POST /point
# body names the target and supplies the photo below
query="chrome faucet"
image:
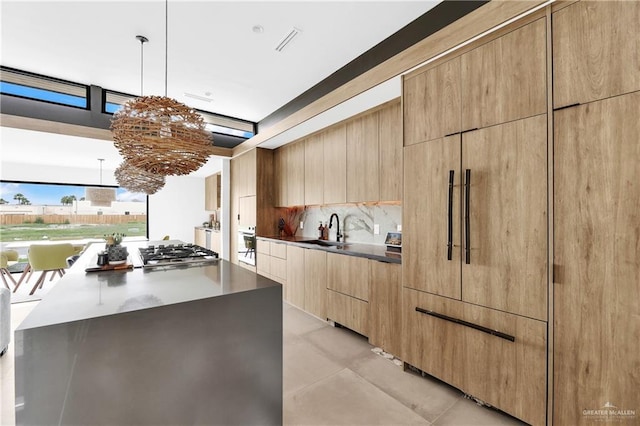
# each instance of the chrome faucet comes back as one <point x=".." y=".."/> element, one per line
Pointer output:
<point x="338" y="234"/>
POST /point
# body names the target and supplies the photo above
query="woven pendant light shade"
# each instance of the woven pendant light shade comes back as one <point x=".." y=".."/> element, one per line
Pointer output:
<point x="162" y="136"/>
<point x="138" y="180"/>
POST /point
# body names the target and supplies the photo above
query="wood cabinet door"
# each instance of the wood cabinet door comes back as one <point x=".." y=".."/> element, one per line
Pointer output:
<point x="505" y="79"/>
<point x="348" y="275"/>
<point x="335" y="165"/>
<point x="200" y="237"/>
<point x="280" y="161"/>
<point x="390" y="138"/>
<point x="314" y="170"/>
<point x="597" y="259"/>
<point x="247" y="212"/>
<point x="431" y="102"/>
<point x="430" y="209"/>
<point x="385" y="319"/>
<point x="211" y="184"/>
<point x="363" y="182"/>
<point x="295" y="174"/>
<point x="507" y="236"/>
<point x="294" y="290"/>
<point x="595" y="51"/>
<point x="315" y="282"/>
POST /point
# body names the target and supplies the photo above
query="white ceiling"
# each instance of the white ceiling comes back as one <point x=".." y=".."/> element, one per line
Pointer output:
<point x="211" y="48"/>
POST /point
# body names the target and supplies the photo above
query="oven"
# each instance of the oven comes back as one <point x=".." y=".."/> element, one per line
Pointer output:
<point x="247" y="245"/>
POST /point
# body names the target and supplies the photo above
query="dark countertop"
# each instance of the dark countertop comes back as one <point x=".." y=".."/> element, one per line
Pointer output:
<point x="370" y="251"/>
<point x="82" y="295"/>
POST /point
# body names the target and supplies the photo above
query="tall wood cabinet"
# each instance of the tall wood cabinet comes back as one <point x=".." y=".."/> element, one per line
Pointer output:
<point x="335" y="164"/>
<point x="475" y="220"/>
<point x="363" y="177"/>
<point x="596" y="284"/>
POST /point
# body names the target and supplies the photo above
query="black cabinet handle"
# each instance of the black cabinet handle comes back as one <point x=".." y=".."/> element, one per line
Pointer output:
<point x="450" y="217"/>
<point x="467" y="324"/>
<point x="467" y="224"/>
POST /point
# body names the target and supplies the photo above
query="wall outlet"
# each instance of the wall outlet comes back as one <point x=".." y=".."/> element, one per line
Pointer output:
<point x="301" y="225"/>
<point x="376" y="229"/>
<point x="399" y="228"/>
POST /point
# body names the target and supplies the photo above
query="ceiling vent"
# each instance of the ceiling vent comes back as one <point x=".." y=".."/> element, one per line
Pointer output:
<point x="287" y="39"/>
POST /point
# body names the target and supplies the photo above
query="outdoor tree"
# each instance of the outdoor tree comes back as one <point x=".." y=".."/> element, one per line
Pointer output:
<point x="21" y="199"/>
<point x="67" y="200"/>
<point x="3" y="201"/>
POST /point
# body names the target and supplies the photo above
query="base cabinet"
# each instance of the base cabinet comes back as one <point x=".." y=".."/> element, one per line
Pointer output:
<point x="497" y="357"/>
<point x="385" y="292"/>
<point x="348" y="311"/>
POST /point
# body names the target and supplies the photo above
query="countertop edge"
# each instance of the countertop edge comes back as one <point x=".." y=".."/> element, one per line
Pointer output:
<point x="352" y="251"/>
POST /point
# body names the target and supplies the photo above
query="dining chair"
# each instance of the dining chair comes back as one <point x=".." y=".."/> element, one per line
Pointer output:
<point x="7" y="258"/>
<point x="46" y="258"/>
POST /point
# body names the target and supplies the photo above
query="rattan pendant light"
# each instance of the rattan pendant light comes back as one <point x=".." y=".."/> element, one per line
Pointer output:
<point x="160" y="135"/>
<point x="100" y="197"/>
<point x="138" y="180"/>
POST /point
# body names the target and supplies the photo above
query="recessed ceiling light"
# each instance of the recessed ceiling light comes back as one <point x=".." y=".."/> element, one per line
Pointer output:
<point x="258" y="29"/>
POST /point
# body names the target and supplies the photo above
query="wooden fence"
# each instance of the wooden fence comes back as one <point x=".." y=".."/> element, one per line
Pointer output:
<point x="19" y="219"/>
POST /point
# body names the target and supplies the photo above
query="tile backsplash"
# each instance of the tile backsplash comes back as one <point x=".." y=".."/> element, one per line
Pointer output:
<point x="356" y="221"/>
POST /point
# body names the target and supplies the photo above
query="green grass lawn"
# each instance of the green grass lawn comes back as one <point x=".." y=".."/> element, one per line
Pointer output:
<point x="39" y="231"/>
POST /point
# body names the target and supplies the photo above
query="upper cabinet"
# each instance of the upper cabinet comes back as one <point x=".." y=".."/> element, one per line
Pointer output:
<point x="314" y="170"/>
<point x="289" y="173"/>
<point x="505" y="79"/>
<point x="363" y="182"/>
<point x="590" y="39"/>
<point x="390" y="138"/>
<point x="335" y="164"/>
<point x="432" y="103"/>
<point x="212" y="192"/>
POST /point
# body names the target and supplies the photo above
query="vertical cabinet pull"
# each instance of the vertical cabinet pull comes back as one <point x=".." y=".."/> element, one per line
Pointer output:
<point x="450" y="217"/>
<point x="467" y="225"/>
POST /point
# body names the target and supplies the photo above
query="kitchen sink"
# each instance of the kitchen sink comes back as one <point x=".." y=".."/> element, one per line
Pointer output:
<point x="327" y="244"/>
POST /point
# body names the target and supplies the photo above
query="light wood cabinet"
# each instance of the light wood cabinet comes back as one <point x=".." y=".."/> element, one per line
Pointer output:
<point x="200" y="237"/>
<point x="295" y="174"/>
<point x="431" y="102"/>
<point x="597" y="258"/>
<point x="212" y="192"/>
<point x="216" y="241"/>
<point x="510" y="374"/>
<point x="390" y="152"/>
<point x="348" y="275"/>
<point x="432" y="221"/>
<point x="263" y="258"/>
<point x="507" y="230"/>
<point x="363" y="182"/>
<point x="294" y="289"/>
<point x="247" y="211"/>
<point x="335" y="164"/>
<point x="595" y="51"/>
<point x="348" y="311"/>
<point x="315" y="282"/>
<point x="314" y="170"/>
<point x="385" y="319"/>
<point x="506" y="78"/>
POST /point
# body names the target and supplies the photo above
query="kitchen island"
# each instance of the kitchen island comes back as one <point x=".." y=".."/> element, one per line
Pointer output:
<point x="165" y="346"/>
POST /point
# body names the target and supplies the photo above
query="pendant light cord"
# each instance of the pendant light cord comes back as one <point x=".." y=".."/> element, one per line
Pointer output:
<point x="141" y="67"/>
<point x="166" y="43"/>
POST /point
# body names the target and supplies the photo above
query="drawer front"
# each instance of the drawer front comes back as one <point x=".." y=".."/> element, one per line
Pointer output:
<point x="350" y="312"/>
<point x="279" y="268"/>
<point x="263" y="247"/>
<point x="510" y="375"/>
<point x="278" y="250"/>
<point x="263" y="264"/>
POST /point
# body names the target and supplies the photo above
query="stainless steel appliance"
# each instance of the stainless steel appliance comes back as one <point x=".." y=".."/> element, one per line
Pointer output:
<point x="176" y="255"/>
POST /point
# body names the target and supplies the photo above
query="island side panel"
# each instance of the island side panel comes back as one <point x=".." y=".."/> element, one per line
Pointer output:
<point x="210" y="361"/>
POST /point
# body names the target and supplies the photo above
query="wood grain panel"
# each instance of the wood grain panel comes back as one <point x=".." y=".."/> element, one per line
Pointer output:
<point x="385" y="309"/>
<point x="263" y="247"/>
<point x="597" y="258"/>
<point x="263" y="265"/>
<point x="211" y="196"/>
<point x="348" y="275"/>
<point x="295" y="276"/>
<point x="363" y="182"/>
<point x="278" y="250"/>
<point x="266" y="215"/>
<point x="596" y="51"/>
<point x="508" y="375"/>
<point x="432" y="103"/>
<point x="314" y="170"/>
<point x="505" y="79"/>
<point x="348" y="311"/>
<point x="508" y="217"/>
<point x="335" y="164"/>
<point x="315" y="283"/>
<point x="279" y="270"/>
<point x="390" y="139"/>
<point x="280" y="166"/>
<point x="200" y="237"/>
<point x="425" y="217"/>
<point x="295" y="174"/>
<point x="476" y="22"/>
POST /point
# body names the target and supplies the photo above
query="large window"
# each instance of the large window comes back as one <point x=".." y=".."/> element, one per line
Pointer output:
<point x="40" y="211"/>
<point x="41" y="88"/>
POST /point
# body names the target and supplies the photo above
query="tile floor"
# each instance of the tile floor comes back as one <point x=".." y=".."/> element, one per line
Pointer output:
<point x="332" y="377"/>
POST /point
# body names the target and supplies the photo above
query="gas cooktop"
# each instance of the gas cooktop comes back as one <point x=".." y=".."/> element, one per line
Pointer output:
<point x="174" y="255"/>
